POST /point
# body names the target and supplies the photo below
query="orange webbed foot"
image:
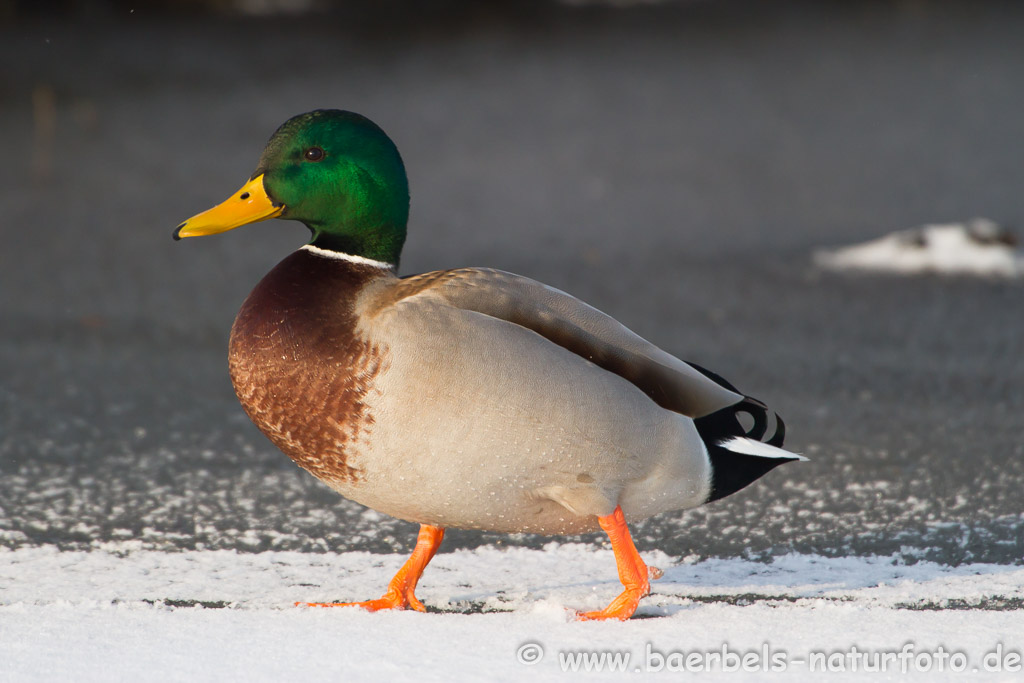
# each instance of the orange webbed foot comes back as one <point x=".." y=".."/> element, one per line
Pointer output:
<point x="621" y="608"/>
<point x="390" y="600"/>
<point x="635" y="575"/>
<point x="401" y="590"/>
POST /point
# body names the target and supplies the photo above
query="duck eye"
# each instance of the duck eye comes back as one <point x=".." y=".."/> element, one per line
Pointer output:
<point x="314" y="154"/>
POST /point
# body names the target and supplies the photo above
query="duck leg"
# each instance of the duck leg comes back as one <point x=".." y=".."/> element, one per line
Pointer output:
<point x="400" y="593"/>
<point x="634" y="574"/>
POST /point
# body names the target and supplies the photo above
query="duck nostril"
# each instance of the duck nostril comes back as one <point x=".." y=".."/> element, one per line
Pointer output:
<point x="243" y="196"/>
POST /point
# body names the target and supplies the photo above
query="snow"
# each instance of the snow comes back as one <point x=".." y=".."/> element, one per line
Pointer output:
<point x="979" y="247"/>
<point x="124" y="612"/>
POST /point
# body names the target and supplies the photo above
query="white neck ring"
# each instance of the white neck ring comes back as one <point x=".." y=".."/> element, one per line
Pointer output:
<point x="351" y="258"/>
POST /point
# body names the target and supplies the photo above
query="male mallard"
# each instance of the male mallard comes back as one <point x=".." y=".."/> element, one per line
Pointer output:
<point x="467" y="398"/>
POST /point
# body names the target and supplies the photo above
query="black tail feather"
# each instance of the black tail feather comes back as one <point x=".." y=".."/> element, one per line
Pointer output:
<point x="780" y="433"/>
<point x="731" y="471"/>
<point x="749" y="406"/>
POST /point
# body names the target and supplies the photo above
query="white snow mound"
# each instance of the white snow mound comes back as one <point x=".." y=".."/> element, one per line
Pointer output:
<point x="978" y="247"/>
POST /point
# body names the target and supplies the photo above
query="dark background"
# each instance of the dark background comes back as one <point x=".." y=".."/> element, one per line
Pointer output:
<point x="673" y="164"/>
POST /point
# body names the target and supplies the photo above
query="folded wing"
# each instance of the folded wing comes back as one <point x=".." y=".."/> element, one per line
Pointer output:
<point x="582" y="329"/>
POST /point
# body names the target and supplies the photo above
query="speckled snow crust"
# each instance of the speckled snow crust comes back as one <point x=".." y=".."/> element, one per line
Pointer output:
<point x="126" y="613"/>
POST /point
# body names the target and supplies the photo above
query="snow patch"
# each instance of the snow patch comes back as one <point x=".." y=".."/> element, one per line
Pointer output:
<point x="125" y="613"/>
<point x="484" y="579"/>
<point x="979" y="247"/>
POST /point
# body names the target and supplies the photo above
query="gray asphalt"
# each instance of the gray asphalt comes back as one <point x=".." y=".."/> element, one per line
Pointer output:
<point x="673" y="165"/>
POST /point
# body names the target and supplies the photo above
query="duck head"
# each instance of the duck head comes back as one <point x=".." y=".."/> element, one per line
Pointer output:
<point x="335" y="171"/>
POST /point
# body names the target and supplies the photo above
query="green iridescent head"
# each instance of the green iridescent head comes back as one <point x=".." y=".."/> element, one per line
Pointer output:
<point x="335" y="171"/>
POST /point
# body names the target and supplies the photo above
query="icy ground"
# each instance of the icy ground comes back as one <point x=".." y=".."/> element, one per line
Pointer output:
<point x="129" y="614"/>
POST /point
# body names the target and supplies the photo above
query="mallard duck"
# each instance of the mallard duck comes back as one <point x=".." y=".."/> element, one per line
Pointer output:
<point x="468" y="398"/>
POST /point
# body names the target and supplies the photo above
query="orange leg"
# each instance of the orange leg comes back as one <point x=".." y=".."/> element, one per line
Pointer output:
<point x="400" y="593"/>
<point x="634" y="574"/>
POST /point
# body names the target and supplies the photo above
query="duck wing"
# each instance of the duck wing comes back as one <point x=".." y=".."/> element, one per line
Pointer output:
<point x="574" y="325"/>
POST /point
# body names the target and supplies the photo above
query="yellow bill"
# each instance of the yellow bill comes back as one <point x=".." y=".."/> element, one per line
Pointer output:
<point x="249" y="205"/>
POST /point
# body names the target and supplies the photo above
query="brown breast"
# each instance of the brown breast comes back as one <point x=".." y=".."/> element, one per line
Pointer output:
<point x="299" y="366"/>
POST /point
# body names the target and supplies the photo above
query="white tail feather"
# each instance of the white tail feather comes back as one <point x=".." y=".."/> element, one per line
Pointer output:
<point x="741" y="444"/>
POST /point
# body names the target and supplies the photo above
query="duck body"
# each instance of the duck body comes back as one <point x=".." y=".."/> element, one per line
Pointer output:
<point x="423" y="410"/>
<point x="467" y="398"/>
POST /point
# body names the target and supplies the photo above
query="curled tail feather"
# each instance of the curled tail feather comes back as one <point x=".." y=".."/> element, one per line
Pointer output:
<point x="740" y="454"/>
